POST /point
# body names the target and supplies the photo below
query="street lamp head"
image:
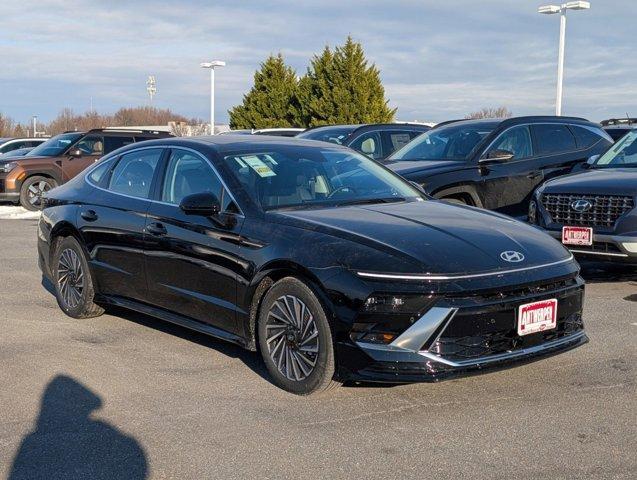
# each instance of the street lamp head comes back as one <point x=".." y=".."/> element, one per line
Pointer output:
<point x="549" y="9"/>
<point x="213" y="64"/>
<point x="578" y="5"/>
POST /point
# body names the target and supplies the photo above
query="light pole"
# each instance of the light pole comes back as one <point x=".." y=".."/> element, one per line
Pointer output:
<point x="212" y="65"/>
<point x="561" y="9"/>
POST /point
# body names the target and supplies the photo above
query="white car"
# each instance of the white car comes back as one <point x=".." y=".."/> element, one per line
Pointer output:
<point x="9" y="144"/>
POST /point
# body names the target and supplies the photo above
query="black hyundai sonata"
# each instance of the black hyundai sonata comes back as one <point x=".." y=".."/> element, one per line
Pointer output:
<point x="328" y="263"/>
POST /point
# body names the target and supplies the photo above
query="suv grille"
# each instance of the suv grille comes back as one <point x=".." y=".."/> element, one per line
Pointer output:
<point x="605" y="211"/>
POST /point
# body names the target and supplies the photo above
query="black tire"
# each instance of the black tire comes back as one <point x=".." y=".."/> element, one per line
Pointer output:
<point x="32" y="190"/>
<point x="279" y="333"/>
<point x="72" y="280"/>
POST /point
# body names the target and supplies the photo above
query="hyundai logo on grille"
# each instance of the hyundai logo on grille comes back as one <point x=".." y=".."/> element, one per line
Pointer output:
<point x="512" y="256"/>
<point x="581" y="205"/>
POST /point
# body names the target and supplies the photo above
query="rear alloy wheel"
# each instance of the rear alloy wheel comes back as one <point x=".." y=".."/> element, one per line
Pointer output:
<point x="32" y="190"/>
<point x="73" y="283"/>
<point x="295" y="338"/>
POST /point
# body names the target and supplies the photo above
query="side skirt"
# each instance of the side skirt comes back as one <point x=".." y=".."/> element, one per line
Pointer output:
<point x="175" y="318"/>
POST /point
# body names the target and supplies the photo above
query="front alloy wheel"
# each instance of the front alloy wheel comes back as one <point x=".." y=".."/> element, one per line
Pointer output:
<point x="295" y="338"/>
<point x="32" y="191"/>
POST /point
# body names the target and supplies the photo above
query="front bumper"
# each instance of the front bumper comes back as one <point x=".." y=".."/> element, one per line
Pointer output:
<point x="607" y="248"/>
<point x="9" y="192"/>
<point x="471" y="334"/>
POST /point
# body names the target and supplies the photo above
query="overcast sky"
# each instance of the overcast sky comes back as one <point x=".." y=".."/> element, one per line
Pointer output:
<point x="439" y="59"/>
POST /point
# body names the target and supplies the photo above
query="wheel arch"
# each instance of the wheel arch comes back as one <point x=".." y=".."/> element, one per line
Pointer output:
<point x="265" y="278"/>
<point x="463" y="192"/>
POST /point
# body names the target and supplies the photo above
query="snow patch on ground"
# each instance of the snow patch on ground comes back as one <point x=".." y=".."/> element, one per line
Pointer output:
<point x="10" y="212"/>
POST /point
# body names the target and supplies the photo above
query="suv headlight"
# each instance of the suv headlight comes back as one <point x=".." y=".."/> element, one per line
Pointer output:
<point x="7" y="167"/>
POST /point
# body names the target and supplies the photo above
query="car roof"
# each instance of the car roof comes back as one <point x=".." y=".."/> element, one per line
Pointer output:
<point x="505" y="122"/>
<point x="231" y="143"/>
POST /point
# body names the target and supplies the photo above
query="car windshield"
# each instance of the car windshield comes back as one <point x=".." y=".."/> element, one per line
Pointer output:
<point x="328" y="134"/>
<point x="287" y="177"/>
<point x="54" y="146"/>
<point x="622" y="154"/>
<point x="454" y="142"/>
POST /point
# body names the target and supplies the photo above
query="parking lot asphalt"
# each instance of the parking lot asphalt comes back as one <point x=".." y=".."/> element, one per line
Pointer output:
<point x="126" y="396"/>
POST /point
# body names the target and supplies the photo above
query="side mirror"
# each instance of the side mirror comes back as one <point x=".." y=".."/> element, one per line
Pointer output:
<point x="205" y="204"/>
<point x="498" y="155"/>
<point x="591" y="161"/>
<point x="75" y="152"/>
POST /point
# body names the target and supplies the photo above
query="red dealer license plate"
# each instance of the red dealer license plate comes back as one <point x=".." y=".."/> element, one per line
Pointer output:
<point x="577" y="236"/>
<point x="537" y="316"/>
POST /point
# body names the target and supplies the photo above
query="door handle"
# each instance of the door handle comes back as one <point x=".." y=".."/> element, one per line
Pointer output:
<point x="89" y="215"/>
<point x="534" y="175"/>
<point x="156" y="229"/>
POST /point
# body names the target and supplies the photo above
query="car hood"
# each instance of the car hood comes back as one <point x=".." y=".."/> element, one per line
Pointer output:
<point x="607" y="181"/>
<point x="406" y="167"/>
<point x="432" y="236"/>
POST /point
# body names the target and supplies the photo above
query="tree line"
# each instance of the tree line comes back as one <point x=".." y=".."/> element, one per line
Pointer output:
<point x="68" y="120"/>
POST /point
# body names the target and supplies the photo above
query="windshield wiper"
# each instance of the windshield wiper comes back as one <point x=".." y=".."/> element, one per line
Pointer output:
<point x="367" y="201"/>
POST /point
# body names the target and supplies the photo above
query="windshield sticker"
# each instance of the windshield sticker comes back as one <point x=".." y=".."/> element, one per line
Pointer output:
<point x="258" y="166"/>
<point x="270" y="159"/>
<point x="240" y="162"/>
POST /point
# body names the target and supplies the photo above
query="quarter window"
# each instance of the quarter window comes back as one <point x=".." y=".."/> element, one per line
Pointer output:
<point x="188" y="173"/>
<point x="585" y="137"/>
<point x="516" y="140"/>
<point x="133" y="174"/>
<point x="553" y="138"/>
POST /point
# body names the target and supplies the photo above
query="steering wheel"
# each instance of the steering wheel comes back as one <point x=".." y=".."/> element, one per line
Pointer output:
<point x="343" y="188"/>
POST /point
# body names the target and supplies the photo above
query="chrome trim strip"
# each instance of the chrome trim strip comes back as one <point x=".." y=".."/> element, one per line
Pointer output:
<point x="426" y="276"/>
<point x="506" y="356"/>
<point x="602" y="254"/>
<point x="419" y="333"/>
<point x="155" y="147"/>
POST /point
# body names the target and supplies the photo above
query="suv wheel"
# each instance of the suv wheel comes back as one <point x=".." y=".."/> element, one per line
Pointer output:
<point x="32" y="190"/>
<point x="295" y="339"/>
<point x="72" y="278"/>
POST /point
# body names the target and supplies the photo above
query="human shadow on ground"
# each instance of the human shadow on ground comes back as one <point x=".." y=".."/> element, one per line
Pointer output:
<point x="68" y="444"/>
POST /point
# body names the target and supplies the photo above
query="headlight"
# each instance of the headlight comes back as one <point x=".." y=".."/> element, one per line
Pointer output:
<point x="7" y="167"/>
<point x="533" y="212"/>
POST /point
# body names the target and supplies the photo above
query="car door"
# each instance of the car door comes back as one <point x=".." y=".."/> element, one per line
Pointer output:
<point x="506" y="184"/>
<point x="112" y="221"/>
<point x="192" y="260"/>
<point x="81" y="155"/>
<point x="557" y="149"/>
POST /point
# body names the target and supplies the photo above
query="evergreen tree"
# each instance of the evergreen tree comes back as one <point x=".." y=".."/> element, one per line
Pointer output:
<point x="272" y="100"/>
<point x="340" y="87"/>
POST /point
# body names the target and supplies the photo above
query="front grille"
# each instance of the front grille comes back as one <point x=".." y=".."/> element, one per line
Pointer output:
<point x="605" y="210"/>
<point x="459" y="348"/>
<point x="486" y="325"/>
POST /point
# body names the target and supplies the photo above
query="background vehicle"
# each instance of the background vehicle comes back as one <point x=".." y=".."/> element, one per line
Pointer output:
<point x="19" y="152"/>
<point x="377" y="141"/>
<point x="593" y="212"/>
<point x="9" y="144"/>
<point x="23" y="180"/>
<point x="618" y="127"/>
<point x="497" y="164"/>
<point x="214" y="234"/>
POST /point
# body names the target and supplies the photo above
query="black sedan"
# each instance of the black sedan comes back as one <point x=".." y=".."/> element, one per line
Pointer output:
<point x="593" y="212"/>
<point x="328" y="263"/>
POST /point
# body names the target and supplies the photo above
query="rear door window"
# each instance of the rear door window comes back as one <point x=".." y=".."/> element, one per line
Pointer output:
<point x="587" y="137"/>
<point x="133" y="174"/>
<point x="113" y="143"/>
<point x="553" y="138"/>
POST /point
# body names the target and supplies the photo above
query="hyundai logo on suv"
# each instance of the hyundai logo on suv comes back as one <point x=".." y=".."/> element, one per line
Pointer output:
<point x="512" y="256"/>
<point x="581" y="205"/>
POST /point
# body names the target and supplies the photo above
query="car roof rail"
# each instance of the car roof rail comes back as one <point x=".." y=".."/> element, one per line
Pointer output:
<point x="127" y="130"/>
<point x="618" y="121"/>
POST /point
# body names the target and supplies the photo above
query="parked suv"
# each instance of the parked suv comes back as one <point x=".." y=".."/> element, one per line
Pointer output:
<point x="618" y="127"/>
<point x="11" y="144"/>
<point x="593" y="212"/>
<point x="497" y="164"/>
<point x="377" y="141"/>
<point x="23" y="180"/>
